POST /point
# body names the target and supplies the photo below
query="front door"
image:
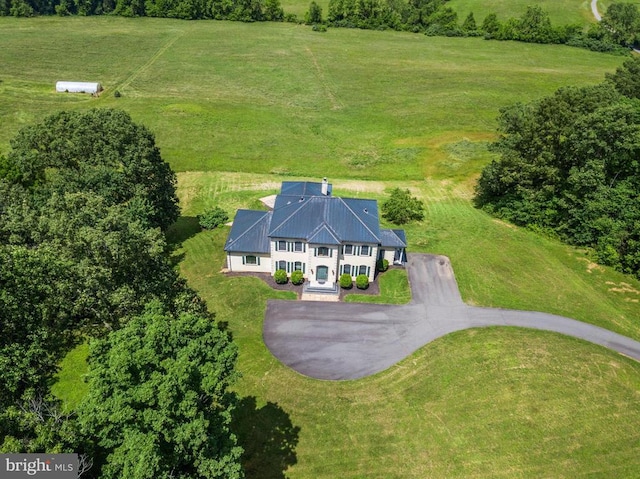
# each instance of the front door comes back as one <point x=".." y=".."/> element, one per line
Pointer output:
<point x="322" y="273"/>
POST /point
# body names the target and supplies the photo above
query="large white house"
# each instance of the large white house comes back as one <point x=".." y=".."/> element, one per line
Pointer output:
<point x="309" y="230"/>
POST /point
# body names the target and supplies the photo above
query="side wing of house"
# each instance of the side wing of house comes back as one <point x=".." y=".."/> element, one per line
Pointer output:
<point x="393" y="244"/>
<point x="248" y="247"/>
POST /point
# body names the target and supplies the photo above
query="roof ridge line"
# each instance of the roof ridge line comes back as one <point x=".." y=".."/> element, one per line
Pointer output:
<point x="266" y="213"/>
<point x="329" y="229"/>
<point x="282" y="223"/>
<point x="359" y="219"/>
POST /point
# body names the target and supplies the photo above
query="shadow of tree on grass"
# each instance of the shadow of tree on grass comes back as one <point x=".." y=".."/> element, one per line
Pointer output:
<point x="184" y="228"/>
<point x="268" y="438"/>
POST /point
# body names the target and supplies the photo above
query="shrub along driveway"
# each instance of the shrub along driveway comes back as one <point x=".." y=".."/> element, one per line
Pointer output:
<point x="352" y="340"/>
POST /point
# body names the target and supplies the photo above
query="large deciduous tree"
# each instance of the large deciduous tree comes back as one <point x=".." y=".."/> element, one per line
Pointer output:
<point x="621" y="22"/>
<point x="158" y="405"/>
<point x="570" y="164"/>
<point x="101" y="151"/>
<point x="626" y="79"/>
<point x="81" y="250"/>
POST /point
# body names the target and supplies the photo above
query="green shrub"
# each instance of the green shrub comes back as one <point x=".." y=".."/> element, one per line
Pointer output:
<point x="280" y="276"/>
<point x="213" y="218"/>
<point x="314" y="14"/>
<point x="345" y="281"/>
<point x="382" y="265"/>
<point x="117" y="94"/>
<point x="362" y="281"/>
<point x="402" y="208"/>
<point x="297" y="277"/>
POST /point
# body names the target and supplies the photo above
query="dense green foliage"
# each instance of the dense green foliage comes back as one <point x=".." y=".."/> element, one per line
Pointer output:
<point x="280" y="276"/>
<point x="626" y="79"/>
<point x="621" y="24"/>
<point x="213" y="218"/>
<point x="382" y="265"/>
<point x="569" y="164"/>
<point x="401" y="207"/>
<point x="362" y="281"/>
<point x="346" y="281"/>
<point x="314" y="14"/>
<point x="433" y="17"/>
<point x="297" y="277"/>
<point x="240" y="10"/>
<point x="158" y="403"/>
<point x="97" y="151"/>
<point x="84" y="200"/>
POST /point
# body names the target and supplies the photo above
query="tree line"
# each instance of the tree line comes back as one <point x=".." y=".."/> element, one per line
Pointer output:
<point x="618" y="30"/>
<point x="569" y="166"/>
<point x="85" y="202"/>
<point x="235" y="10"/>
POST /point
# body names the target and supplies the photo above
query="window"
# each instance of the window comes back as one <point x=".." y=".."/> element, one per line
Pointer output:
<point x="363" y="269"/>
<point x="297" y="266"/>
<point x="347" y="269"/>
<point x="365" y="250"/>
<point x="298" y="246"/>
<point x="282" y="265"/>
<point x="281" y="245"/>
<point x="348" y="249"/>
<point x="250" y="259"/>
<point x="323" y="251"/>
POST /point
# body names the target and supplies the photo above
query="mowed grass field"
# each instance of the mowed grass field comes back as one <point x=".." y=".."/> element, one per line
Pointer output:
<point x="481" y="403"/>
<point x="280" y="98"/>
<point x="238" y="108"/>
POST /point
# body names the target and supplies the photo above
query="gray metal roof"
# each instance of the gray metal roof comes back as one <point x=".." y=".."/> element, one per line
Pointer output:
<point x="393" y="239"/>
<point x="249" y="232"/>
<point x="310" y="216"/>
<point x="347" y="219"/>
<point x="303" y="188"/>
<point x="324" y="235"/>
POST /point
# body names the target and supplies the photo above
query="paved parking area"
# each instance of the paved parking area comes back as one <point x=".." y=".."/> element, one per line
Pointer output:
<point x="352" y="340"/>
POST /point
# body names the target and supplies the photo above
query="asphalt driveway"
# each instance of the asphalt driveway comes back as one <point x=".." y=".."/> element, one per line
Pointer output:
<point x="326" y="340"/>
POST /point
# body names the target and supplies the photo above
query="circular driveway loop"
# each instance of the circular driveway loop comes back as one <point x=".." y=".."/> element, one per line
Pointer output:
<point x="327" y="340"/>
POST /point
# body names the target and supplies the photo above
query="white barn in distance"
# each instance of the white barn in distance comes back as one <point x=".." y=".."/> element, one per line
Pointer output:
<point x="78" y="87"/>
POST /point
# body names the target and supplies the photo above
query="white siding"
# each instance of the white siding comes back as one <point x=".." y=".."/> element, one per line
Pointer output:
<point x="389" y="254"/>
<point x="236" y="262"/>
<point x="357" y="260"/>
<point x="290" y="256"/>
<point x="331" y="262"/>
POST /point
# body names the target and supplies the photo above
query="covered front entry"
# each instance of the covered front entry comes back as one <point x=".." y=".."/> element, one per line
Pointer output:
<point x="322" y="274"/>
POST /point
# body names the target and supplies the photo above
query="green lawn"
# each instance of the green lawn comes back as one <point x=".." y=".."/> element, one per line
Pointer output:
<point x="70" y="386"/>
<point x="237" y="108"/>
<point x="280" y="98"/>
<point x="394" y="289"/>
<point x="482" y="403"/>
